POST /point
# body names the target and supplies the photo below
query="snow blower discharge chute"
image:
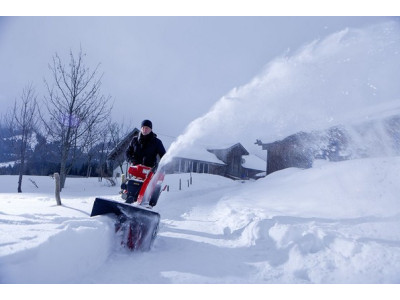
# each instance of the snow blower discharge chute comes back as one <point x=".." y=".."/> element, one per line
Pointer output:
<point x="136" y="223"/>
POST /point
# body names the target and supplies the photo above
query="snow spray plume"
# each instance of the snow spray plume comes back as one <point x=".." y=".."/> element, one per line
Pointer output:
<point x="342" y="80"/>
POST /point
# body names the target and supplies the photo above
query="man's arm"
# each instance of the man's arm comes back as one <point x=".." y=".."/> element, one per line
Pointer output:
<point x="160" y="149"/>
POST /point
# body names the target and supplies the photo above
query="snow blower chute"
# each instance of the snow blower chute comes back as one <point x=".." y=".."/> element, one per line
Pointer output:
<point x="136" y="223"/>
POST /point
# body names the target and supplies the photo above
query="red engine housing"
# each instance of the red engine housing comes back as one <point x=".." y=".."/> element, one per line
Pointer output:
<point x="145" y="174"/>
<point x="139" y="171"/>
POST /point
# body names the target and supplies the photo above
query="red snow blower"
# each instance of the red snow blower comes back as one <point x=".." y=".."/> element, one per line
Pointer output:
<point x="136" y="222"/>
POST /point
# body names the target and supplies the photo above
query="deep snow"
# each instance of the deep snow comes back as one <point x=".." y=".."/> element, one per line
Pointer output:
<point x="334" y="223"/>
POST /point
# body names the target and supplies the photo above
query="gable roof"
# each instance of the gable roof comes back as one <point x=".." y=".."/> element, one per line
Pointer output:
<point x="196" y="152"/>
<point x="118" y="153"/>
<point x="237" y="145"/>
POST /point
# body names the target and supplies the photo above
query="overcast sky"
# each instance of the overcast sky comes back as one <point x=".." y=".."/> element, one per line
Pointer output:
<point x="167" y="69"/>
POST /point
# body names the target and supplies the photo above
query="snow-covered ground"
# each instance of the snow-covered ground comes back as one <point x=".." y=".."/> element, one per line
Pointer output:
<point x="334" y="223"/>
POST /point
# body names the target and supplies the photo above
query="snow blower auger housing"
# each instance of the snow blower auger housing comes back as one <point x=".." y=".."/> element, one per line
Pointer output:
<point x="136" y="224"/>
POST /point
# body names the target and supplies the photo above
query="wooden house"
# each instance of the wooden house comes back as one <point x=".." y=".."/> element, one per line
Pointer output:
<point x="196" y="160"/>
<point x="234" y="160"/>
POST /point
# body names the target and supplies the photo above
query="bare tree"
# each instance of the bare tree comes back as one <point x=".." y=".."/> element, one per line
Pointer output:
<point x="94" y="137"/>
<point x="103" y="151"/>
<point x="22" y="120"/>
<point x="75" y="107"/>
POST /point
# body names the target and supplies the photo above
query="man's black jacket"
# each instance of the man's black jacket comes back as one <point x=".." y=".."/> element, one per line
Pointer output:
<point x="144" y="149"/>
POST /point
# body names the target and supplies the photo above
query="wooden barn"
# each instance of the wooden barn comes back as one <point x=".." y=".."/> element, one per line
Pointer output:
<point x="287" y="153"/>
<point x="301" y="149"/>
<point x="366" y="139"/>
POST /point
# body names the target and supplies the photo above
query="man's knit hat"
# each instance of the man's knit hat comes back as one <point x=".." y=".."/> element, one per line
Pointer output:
<point x="147" y="123"/>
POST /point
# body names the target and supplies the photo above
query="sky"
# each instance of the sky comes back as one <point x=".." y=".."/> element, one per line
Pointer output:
<point x="168" y="69"/>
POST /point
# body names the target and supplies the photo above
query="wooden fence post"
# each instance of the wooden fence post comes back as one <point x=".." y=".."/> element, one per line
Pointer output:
<point x="57" y="179"/>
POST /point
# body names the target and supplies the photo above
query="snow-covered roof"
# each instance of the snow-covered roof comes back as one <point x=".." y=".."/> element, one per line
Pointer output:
<point x="230" y="147"/>
<point x="199" y="153"/>
<point x="253" y="162"/>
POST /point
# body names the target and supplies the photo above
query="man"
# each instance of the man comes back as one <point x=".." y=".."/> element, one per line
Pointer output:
<point x="145" y="147"/>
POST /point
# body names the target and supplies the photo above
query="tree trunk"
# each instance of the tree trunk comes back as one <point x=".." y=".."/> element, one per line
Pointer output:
<point x="89" y="170"/>
<point x="22" y="165"/>
<point x="63" y="175"/>
<point x="20" y="183"/>
<point x="63" y="165"/>
<point x="58" y="189"/>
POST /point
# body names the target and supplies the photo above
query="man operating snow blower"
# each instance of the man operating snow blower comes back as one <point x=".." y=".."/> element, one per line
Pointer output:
<point x="145" y="147"/>
<point x="142" y="153"/>
<point x="137" y="225"/>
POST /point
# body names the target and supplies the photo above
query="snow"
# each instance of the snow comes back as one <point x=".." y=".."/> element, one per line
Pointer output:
<point x="337" y="222"/>
<point x="333" y="223"/>
<point x="7" y="164"/>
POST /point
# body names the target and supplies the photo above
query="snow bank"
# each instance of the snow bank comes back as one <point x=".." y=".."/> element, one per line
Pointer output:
<point x="74" y="248"/>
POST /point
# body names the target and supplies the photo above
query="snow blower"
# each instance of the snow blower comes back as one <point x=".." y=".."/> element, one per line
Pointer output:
<point x="136" y="223"/>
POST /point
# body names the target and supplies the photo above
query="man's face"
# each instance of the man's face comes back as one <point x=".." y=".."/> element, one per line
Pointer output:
<point x="145" y="130"/>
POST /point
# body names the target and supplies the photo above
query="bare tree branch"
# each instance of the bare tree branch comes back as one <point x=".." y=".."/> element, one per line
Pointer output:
<point x="75" y="107"/>
<point x="24" y="120"/>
